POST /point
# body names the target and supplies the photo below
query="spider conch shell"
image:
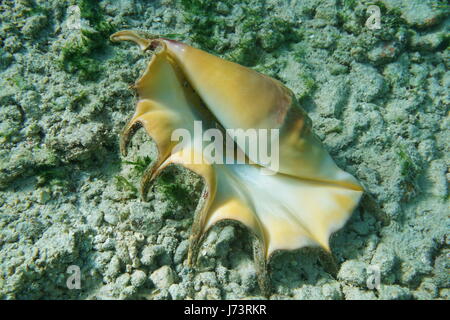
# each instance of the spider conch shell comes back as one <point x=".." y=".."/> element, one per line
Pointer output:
<point x="301" y="204"/>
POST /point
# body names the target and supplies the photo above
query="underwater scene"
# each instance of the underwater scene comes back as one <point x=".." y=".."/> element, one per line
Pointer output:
<point x="224" y="150"/>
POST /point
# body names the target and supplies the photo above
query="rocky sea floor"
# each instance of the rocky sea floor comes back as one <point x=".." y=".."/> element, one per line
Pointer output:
<point x="378" y="99"/>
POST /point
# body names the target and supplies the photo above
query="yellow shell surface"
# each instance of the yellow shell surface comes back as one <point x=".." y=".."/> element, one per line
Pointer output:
<point x="301" y="204"/>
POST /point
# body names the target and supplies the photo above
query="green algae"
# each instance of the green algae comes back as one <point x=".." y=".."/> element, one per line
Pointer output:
<point x="208" y="21"/>
<point x="123" y="183"/>
<point x="78" y="55"/>
<point x="172" y="190"/>
<point x="53" y="176"/>
<point x="140" y="165"/>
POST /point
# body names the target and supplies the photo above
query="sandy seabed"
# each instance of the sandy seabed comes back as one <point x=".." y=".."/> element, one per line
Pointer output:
<point x="378" y="99"/>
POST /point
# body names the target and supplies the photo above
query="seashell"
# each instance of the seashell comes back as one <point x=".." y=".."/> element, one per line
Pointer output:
<point x="301" y="203"/>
